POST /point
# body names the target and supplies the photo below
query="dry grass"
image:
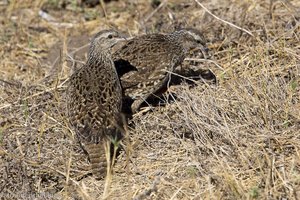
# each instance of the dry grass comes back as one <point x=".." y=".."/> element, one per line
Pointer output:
<point x="237" y="139"/>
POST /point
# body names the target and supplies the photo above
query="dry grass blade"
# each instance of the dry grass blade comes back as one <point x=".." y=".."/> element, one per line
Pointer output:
<point x="148" y="191"/>
<point x="226" y="22"/>
<point x="162" y="4"/>
<point x="235" y="138"/>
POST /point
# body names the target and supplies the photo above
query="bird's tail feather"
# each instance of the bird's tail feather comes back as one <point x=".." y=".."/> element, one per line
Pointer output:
<point x="98" y="160"/>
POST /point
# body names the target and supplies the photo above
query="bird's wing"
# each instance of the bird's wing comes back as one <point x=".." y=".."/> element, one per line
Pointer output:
<point x="94" y="99"/>
<point x="152" y="56"/>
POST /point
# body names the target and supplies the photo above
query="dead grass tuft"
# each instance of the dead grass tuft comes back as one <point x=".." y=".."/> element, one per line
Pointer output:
<point x="234" y="139"/>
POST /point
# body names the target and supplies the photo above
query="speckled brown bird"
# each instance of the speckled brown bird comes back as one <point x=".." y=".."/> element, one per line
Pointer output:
<point x="95" y="100"/>
<point x="150" y="58"/>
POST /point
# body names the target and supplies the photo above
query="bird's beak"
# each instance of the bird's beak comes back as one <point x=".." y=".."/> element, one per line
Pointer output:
<point x="123" y="36"/>
<point x="120" y="40"/>
<point x="118" y="44"/>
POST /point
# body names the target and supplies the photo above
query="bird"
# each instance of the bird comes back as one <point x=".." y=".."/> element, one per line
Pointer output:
<point x="94" y="100"/>
<point x="143" y="62"/>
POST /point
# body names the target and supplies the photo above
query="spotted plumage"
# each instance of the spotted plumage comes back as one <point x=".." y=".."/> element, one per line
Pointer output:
<point x="150" y="58"/>
<point x="95" y="99"/>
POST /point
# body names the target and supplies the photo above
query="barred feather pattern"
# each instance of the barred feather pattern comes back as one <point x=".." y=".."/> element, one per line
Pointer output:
<point x="95" y="101"/>
<point x="151" y="57"/>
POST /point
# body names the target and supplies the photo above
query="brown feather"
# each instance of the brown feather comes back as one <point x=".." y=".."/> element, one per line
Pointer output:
<point x="95" y="101"/>
<point x="153" y="56"/>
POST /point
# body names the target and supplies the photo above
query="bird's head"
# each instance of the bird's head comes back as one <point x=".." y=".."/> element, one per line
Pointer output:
<point x="105" y="40"/>
<point x="193" y="40"/>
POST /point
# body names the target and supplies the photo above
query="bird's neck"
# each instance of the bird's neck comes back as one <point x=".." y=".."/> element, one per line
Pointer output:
<point x="178" y="35"/>
<point x="97" y="55"/>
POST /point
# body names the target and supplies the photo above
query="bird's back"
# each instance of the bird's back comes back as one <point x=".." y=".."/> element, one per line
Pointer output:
<point x="94" y="102"/>
<point x="94" y="109"/>
<point x="152" y="56"/>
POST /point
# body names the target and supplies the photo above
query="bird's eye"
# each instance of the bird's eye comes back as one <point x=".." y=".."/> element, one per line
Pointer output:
<point x="110" y="36"/>
<point x="198" y="41"/>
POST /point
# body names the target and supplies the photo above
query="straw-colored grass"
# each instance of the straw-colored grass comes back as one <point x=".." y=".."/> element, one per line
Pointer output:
<point x="238" y="138"/>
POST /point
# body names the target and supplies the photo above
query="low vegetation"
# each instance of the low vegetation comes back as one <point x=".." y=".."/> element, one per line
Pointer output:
<point x="234" y="138"/>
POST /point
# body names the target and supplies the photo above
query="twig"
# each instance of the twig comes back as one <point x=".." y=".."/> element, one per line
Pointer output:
<point x="186" y="78"/>
<point x="102" y="4"/>
<point x="205" y="60"/>
<point x="46" y="91"/>
<point x="148" y="191"/>
<point x="156" y="9"/>
<point x="175" y="194"/>
<point x="108" y="177"/>
<point x="11" y="83"/>
<point x="226" y="22"/>
<point x="80" y="189"/>
<point x="54" y="70"/>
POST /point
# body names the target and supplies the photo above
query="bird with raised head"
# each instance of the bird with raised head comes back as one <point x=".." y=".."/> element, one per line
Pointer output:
<point x="151" y="58"/>
<point x="94" y="100"/>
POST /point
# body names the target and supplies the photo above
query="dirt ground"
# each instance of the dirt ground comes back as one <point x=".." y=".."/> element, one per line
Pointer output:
<point x="228" y="128"/>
